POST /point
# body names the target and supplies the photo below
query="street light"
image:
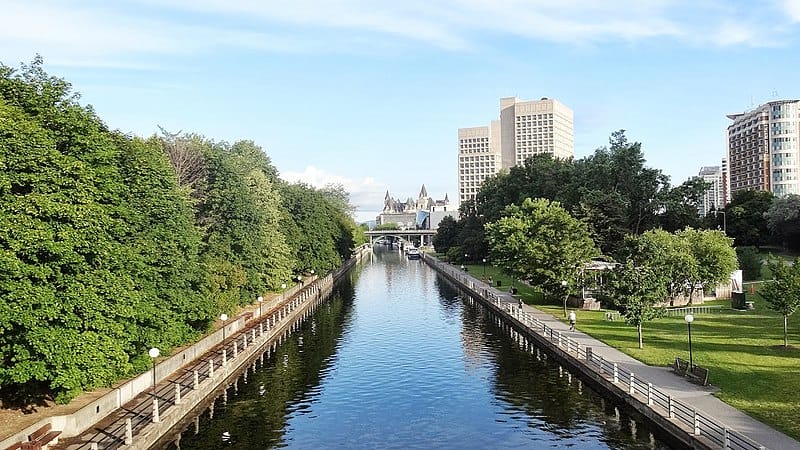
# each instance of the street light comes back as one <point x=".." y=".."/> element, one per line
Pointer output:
<point x="223" y="317"/>
<point x="484" y="268"/>
<point x="566" y="294"/>
<point x="260" y="303"/>
<point x="689" y="319"/>
<point x="154" y="352"/>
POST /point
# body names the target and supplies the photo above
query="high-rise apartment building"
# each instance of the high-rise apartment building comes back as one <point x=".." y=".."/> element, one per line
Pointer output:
<point x="714" y="198"/>
<point x="726" y="182"/>
<point x="763" y="151"/>
<point x="525" y="128"/>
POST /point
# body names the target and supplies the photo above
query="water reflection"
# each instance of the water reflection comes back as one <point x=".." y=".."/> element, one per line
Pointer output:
<point x="400" y="358"/>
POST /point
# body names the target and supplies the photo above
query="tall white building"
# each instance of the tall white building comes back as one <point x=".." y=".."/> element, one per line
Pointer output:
<point x="525" y="129"/>
<point x="714" y="197"/>
<point x="763" y="148"/>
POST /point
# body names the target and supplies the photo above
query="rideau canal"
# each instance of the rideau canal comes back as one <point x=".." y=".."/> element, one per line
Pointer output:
<point x="400" y="358"/>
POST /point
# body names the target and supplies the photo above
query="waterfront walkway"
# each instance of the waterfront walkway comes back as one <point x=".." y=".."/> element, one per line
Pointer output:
<point x="696" y="396"/>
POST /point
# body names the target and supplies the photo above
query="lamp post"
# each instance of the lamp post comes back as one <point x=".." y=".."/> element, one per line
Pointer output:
<point x="566" y="293"/>
<point x="154" y="352"/>
<point x="223" y="317"/>
<point x="484" y="268"/>
<point x="260" y="303"/>
<point x="689" y="319"/>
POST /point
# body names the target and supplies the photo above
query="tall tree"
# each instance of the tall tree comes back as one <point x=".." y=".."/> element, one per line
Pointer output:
<point x="744" y="217"/>
<point x="640" y="292"/>
<point x="446" y="235"/>
<point x="541" y="242"/>
<point x="783" y="221"/>
<point x="714" y="256"/>
<point x="783" y="292"/>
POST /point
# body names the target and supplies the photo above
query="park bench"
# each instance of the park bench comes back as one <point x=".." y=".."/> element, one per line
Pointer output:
<point x="39" y="439"/>
<point x="681" y="366"/>
<point x="698" y="375"/>
<point x="43" y="437"/>
<point x="612" y="315"/>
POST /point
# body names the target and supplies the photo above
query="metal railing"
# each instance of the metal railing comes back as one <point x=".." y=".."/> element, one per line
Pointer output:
<point x="702" y="309"/>
<point x="699" y="423"/>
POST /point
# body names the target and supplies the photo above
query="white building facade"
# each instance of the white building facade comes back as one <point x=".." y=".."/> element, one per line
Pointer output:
<point x="714" y="197"/>
<point x="525" y="129"/>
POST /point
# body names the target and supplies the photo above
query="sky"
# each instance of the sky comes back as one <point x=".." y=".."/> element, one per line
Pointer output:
<point x="370" y="93"/>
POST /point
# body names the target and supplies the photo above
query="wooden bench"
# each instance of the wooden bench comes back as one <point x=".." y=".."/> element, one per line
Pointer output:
<point x="42" y="437"/>
<point x="680" y="366"/>
<point x="698" y="375"/>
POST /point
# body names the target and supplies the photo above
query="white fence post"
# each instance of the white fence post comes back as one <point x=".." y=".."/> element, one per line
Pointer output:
<point x="616" y="373"/>
<point x="156" y="418"/>
<point x="670" y="407"/>
<point x="177" y="393"/>
<point x="128" y="431"/>
<point x="696" y="423"/>
<point x="632" y="384"/>
<point x="650" y="394"/>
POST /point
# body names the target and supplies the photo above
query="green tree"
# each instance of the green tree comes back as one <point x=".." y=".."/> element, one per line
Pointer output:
<point x="387" y="226"/>
<point x="541" y="242"/>
<point x="714" y="256"/>
<point x="640" y="292"/>
<point x="744" y="217"/>
<point x="446" y="235"/>
<point x="667" y="255"/>
<point x="680" y="205"/>
<point x="783" y="292"/>
<point x="750" y="262"/>
<point x="783" y="221"/>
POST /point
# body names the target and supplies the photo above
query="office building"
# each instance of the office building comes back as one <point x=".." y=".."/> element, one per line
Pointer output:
<point x="525" y="129"/>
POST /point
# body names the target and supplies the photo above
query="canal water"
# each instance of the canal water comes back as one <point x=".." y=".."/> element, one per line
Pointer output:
<point x="399" y="358"/>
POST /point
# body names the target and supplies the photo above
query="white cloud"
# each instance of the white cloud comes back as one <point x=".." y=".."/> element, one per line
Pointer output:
<point x="365" y="194"/>
<point x="792" y="8"/>
<point x="135" y="33"/>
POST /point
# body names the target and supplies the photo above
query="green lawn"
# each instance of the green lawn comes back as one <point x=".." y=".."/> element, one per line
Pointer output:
<point x="741" y="349"/>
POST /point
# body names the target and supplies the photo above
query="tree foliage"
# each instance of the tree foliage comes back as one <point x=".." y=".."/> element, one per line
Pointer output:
<point x="612" y="190"/>
<point x="539" y="241"/>
<point x="446" y="235"/>
<point x="98" y="245"/>
<point x="750" y="262"/>
<point x="639" y="291"/>
<point x="744" y="218"/>
<point x="783" y="221"/>
<point x="112" y="244"/>
<point x="688" y="259"/>
<point x="783" y="292"/>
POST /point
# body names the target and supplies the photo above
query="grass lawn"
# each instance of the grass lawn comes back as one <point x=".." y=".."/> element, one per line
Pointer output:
<point x="742" y="350"/>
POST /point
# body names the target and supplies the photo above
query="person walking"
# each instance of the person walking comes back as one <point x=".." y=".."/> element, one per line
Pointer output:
<point x="572" y="320"/>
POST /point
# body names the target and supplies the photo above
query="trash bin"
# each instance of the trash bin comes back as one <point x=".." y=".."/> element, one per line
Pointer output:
<point x="499" y="283"/>
<point x="738" y="300"/>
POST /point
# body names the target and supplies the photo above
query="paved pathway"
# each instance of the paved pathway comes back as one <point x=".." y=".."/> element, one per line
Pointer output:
<point x="699" y="397"/>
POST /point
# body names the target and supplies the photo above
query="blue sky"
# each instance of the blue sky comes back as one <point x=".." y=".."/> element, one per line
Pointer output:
<point x="370" y="94"/>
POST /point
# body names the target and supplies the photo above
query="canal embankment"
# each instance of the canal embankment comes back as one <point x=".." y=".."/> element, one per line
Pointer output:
<point x="138" y="412"/>
<point x="687" y="412"/>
